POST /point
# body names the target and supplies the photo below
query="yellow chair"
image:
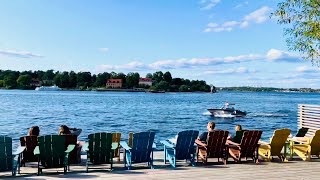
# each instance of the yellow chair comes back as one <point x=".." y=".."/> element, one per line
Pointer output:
<point x="274" y="148"/>
<point x="130" y="139"/>
<point x="116" y="138"/>
<point x="307" y="147"/>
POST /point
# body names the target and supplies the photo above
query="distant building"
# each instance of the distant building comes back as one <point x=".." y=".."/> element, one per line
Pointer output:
<point x="35" y="82"/>
<point x="114" y="83"/>
<point x="145" y="81"/>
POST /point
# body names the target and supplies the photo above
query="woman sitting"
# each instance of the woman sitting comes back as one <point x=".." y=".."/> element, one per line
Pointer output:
<point x="34" y="131"/>
<point x="234" y="153"/>
<point x="65" y="130"/>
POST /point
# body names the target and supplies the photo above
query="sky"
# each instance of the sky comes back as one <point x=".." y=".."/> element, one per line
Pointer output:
<point x="224" y="42"/>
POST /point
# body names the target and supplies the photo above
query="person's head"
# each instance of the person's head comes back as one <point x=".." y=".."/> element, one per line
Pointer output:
<point x="34" y="131"/>
<point x="64" y="130"/>
<point x="238" y="127"/>
<point x="211" y="126"/>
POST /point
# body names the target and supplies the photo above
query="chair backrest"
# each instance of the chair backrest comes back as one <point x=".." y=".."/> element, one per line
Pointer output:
<point x="100" y="148"/>
<point x="216" y="143"/>
<point x="116" y="138"/>
<point x="5" y="153"/>
<point x="249" y="142"/>
<point x="52" y="149"/>
<point x="315" y="143"/>
<point x="142" y="146"/>
<point x="185" y="144"/>
<point x="30" y="142"/>
<point x="237" y="138"/>
<point x="130" y="139"/>
<point x="302" y="132"/>
<point x="278" y="140"/>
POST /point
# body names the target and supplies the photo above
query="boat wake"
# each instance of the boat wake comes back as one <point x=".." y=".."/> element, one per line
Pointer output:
<point x="206" y="113"/>
<point x="269" y="115"/>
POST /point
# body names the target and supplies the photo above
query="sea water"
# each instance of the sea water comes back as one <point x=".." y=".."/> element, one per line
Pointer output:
<point x="164" y="113"/>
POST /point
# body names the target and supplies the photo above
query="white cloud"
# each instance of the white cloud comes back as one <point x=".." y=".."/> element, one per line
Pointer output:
<point x="19" y="54"/>
<point x="307" y="69"/>
<point x="240" y="70"/>
<point x="258" y="16"/>
<point x="241" y="5"/>
<point x="209" y="4"/>
<point x="105" y="50"/>
<point x="271" y="55"/>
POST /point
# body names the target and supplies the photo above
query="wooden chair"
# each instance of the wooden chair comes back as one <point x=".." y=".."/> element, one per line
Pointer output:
<point x="9" y="161"/>
<point x="277" y="143"/>
<point x="52" y="153"/>
<point x="100" y="149"/>
<point x="216" y="146"/>
<point x="141" y="149"/>
<point x="183" y="149"/>
<point x="30" y="143"/>
<point x="74" y="156"/>
<point x="248" y="147"/>
<point x="116" y="139"/>
<point x="307" y="148"/>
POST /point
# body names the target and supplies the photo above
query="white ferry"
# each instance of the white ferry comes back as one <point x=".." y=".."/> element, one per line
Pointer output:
<point x="48" y="88"/>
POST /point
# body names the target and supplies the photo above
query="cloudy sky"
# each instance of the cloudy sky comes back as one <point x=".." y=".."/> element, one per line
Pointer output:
<point x="225" y="42"/>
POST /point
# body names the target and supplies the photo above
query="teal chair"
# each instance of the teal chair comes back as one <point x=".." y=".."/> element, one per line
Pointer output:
<point x="183" y="149"/>
<point x="9" y="161"/>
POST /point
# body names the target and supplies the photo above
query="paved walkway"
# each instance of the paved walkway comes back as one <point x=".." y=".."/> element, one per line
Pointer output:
<point x="295" y="169"/>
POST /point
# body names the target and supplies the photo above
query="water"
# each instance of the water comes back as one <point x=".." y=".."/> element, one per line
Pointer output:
<point x="166" y="114"/>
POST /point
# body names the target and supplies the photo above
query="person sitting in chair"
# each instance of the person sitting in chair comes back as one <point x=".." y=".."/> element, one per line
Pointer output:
<point x="202" y="141"/>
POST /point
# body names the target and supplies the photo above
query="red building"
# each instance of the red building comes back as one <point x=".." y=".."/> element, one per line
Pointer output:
<point x="114" y="83"/>
<point x="145" y="81"/>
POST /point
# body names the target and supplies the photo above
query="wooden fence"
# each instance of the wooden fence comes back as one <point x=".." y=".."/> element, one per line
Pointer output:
<point x="309" y="117"/>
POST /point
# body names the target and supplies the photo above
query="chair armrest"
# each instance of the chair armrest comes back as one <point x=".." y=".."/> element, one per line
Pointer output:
<point x="154" y="146"/>
<point x="114" y="145"/>
<point x="85" y="147"/>
<point x="232" y="143"/>
<point x="125" y="145"/>
<point x="263" y="142"/>
<point x="70" y="148"/>
<point x="300" y="140"/>
<point x="36" y="150"/>
<point x="19" y="150"/>
<point x="167" y="144"/>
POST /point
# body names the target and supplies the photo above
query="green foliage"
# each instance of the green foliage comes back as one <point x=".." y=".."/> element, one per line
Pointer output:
<point x="132" y="80"/>
<point x="149" y="75"/>
<point x="72" y="80"/>
<point x="157" y="76"/>
<point x="24" y="81"/>
<point x="167" y="77"/>
<point x="1" y="83"/>
<point x="184" y="88"/>
<point x="10" y="81"/>
<point x="303" y="32"/>
<point x="102" y="79"/>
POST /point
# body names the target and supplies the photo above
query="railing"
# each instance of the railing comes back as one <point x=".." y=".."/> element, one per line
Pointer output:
<point x="309" y="117"/>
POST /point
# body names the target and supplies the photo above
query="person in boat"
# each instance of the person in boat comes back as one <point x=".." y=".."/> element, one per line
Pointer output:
<point x="34" y="131"/>
<point x="234" y="153"/>
<point x="202" y="140"/>
<point x="226" y="105"/>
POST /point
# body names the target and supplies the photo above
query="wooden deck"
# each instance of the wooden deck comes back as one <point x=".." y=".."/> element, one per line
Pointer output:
<point x="294" y="169"/>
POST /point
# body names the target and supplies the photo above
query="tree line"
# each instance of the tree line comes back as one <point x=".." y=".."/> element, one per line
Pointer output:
<point x="84" y="80"/>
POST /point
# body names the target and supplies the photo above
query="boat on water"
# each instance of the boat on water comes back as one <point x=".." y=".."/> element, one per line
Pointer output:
<point x="154" y="91"/>
<point x="48" y="88"/>
<point x="227" y="111"/>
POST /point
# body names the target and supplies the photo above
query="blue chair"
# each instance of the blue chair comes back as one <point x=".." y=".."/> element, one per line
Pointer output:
<point x="183" y="149"/>
<point x="141" y="149"/>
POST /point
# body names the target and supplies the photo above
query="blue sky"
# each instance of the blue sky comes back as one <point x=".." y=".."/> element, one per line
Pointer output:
<point x="226" y="43"/>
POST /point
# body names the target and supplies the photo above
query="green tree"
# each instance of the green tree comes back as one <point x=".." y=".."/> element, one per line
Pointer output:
<point x="64" y="80"/>
<point x="72" y="80"/>
<point x="24" y="81"/>
<point x="132" y="80"/>
<point x="162" y="85"/>
<point x="149" y="75"/>
<point x="158" y="76"/>
<point x="10" y="81"/>
<point x="57" y="79"/>
<point x="84" y="79"/>
<point x="303" y="18"/>
<point x="1" y="83"/>
<point x="184" y="88"/>
<point x="167" y="77"/>
<point x="102" y="79"/>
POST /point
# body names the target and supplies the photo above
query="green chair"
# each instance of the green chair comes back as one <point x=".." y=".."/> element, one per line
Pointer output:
<point x="9" y="161"/>
<point x="100" y="149"/>
<point x="52" y="153"/>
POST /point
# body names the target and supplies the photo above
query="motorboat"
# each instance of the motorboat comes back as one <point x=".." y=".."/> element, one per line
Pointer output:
<point x="48" y="88"/>
<point x="227" y="111"/>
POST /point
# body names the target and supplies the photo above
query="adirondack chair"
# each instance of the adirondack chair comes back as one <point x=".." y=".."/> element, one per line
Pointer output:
<point x="248" y="147"/>
<point x="30" y="142"/>
<point x="52" y="153"/>
<point x="216" y="146"/>
<point x="307" y="148"/>
<point x="100" y="149"/>
<point x="277" y="143"/>
<point x="9" y="161"/>
<point x="141" y="149"/>
<point x="237" y="138"/>
<point x="182" y="149"/>
<point x="116" y="138"/>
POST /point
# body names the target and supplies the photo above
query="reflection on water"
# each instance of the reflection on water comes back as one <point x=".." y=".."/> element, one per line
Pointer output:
<point x="166" y="113"/>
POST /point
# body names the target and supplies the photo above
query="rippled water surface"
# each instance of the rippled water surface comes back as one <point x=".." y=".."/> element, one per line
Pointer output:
<point x="166" y="113"/>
